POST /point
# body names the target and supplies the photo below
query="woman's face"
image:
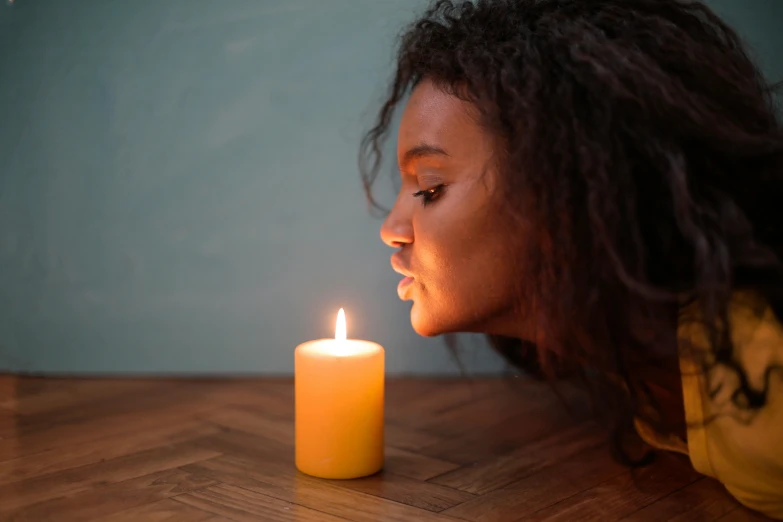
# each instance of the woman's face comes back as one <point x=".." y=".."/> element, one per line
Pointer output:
<point x="457" y="255"/>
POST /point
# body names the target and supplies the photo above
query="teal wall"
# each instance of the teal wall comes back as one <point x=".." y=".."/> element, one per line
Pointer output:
<point x="178" y="183"/>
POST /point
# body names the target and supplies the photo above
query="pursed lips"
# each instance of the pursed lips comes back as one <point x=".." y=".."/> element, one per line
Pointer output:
<point x="399" y="266"/>
<point x="403" y="287"/>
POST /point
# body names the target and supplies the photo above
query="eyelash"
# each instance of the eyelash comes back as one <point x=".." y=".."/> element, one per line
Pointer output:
<point x="429" y="195"/>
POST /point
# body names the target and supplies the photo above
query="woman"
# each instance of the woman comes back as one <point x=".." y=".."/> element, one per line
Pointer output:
<point x="598" y="186"/>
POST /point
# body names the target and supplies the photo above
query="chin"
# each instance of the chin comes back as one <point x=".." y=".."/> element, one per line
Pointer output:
<point x="431" y="321"/>
<point x="425" y="324"/>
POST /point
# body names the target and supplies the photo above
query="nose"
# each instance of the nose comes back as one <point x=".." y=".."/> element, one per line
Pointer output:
<point x="397" y="229"/>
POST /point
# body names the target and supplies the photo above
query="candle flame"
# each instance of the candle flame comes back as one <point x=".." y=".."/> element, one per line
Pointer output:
<point x="339" y="329"/>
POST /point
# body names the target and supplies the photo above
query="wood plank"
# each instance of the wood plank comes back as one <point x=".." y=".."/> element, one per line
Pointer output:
<point x="241" y="388"/>
<point x="56" y="394"/>
<point x="741" y="514"/>
<point x="204" y="450"/>
<point x="440" y="399"/>
<point x="623" y="494"/>
<point x="511" y="400"/>
<point x="25" y="385"/>
<point x="402" y="462"/>
<point x="402" y="391"/>
<point x="416" y="466"/>
<point x="284" y="483"/>
<point x="410" y="438"/>
<point x="8" y="384"/>
<point x="81" y="454"/>
<point x="485" y="476"/>
<point x="540" y="490"/>
<point x="271" y="403"/>
<point x="9" y="425"/>
<point x="468" y="445"/>
<point x="390" y="485"/>
<point x="279" y="428"/>
<point x="245" y="505"/>
<point x="249" y="445"/>
<point x="703" y="500"/>
<point x="166" y="510"/>
<point x="124" y="396"/>
<point x="19" y="494"/>
<point x="104" y="501"/>
<point x="422" y="495"/>
<point x="9" y="428"/>
<point x="178" y="406"/>
<point x="114" y="400"/>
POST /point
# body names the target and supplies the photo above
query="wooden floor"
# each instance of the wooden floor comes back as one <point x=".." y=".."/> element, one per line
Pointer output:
<point x="201" y="450"/>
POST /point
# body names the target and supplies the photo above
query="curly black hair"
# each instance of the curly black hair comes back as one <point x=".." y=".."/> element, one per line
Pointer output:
<point x="645" y="144"/>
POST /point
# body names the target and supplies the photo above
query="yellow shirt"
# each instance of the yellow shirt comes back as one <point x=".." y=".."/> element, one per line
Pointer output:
<point x="742" y="450"/>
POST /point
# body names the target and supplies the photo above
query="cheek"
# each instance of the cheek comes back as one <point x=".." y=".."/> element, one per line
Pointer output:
<point x="467" y="292"/>
<point x="437" y="251"/>
<point x="464" y="263"/>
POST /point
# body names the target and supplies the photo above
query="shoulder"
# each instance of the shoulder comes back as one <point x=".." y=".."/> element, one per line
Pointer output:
<point x="742" y="447"/>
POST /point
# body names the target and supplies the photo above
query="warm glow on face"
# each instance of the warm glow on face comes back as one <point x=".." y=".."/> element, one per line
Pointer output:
<point x="339" y="328"/>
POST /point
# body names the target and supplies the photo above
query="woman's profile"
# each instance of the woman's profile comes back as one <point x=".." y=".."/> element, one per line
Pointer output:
<point x="598" y="187"/>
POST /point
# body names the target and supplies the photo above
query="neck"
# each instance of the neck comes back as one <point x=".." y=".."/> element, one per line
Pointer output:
<point x="656" y="366"/>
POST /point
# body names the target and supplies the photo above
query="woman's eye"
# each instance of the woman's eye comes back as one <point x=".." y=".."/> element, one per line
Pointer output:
<point x="429" y="195"/>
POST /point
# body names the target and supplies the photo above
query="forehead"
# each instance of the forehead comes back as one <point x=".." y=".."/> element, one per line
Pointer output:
<point x="434" y="117"/>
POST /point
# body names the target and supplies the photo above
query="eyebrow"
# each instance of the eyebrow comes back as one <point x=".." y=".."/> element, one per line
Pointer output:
<point x="420" y="151"/>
